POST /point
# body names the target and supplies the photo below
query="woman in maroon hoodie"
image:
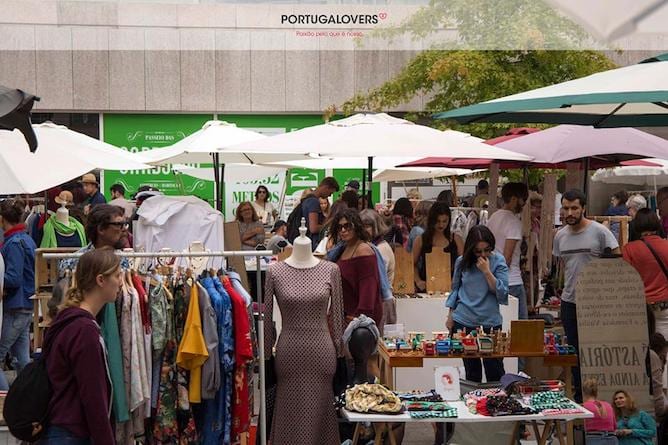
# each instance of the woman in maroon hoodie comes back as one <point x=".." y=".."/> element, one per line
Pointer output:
<point x="76" y="356"/>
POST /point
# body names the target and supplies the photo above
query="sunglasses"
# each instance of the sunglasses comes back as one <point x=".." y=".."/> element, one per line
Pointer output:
<point x="485" y="250"/>
<point x="261" y="192"/>
<point x="119" y="224"/>
<point x="347" y="227"/>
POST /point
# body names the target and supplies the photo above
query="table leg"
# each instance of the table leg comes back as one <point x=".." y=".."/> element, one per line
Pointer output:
<point x="536" y="432"/>
<point x="390" y="433"/>
<point x="547" y="429"/>
<point x="560" y="435"/>
<point x="389" y="374"/>
<point x="356" y="433"/>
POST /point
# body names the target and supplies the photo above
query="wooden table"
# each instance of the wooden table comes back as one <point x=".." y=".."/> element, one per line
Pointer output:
<point x="383" y="422"/>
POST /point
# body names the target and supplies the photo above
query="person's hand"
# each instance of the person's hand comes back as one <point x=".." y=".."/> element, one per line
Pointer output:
<point x="259" y="230"/>
<point x="483" y="265"/>
<point x="421" y="284"/>
<point x="86" y="209"/>
<point x="450" y="323"/>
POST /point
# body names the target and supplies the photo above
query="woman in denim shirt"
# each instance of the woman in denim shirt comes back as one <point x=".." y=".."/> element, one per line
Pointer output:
<point x="479" y="286"/>
<point x="18" y="252"/>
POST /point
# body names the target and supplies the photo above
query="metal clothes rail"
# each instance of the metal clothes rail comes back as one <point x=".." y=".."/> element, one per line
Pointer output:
<point x="260" y="329"/>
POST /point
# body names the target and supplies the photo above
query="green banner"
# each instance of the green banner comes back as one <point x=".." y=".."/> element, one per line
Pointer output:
<point x="141" y="132"/>
<point x="344" y="175"/>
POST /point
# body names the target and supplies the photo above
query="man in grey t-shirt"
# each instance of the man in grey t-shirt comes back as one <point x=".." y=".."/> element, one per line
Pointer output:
<point x="576" y="245"/>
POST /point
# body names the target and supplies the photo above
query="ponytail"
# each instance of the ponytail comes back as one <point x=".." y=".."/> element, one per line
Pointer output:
<point x="73" y="298"/>
<point x="601" y="409"/>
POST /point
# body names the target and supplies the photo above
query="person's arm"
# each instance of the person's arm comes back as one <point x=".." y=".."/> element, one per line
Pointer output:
<point x="14" y="260"/>
<point x="647" y="429"/>
<point x="497" y="279"/>
<point x="656" y="366"/>
<point x="90" y="371"/>
<point x="611" y="242"/>
<point x="417" y="248"/>
<point x="453" y="298"/>
<point x="459" y="242"/>
<point x="313" y="226"/>
<point x="508" y="249"/>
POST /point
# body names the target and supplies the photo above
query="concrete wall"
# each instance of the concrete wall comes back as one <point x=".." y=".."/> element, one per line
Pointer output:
<point x="147" y="57"/>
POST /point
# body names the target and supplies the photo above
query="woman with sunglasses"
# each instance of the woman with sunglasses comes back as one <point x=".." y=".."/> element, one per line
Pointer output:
<point x="264" y="209"/>
<point x="250" y="227"/>
<point x="479" y="286"/>
<point x="359" y="270"/>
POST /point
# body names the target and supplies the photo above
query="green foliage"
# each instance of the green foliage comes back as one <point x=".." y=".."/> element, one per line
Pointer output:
<point x="460" y="76"/>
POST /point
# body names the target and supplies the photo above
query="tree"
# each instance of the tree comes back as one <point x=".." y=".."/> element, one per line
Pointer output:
<point x="504" y="47"/>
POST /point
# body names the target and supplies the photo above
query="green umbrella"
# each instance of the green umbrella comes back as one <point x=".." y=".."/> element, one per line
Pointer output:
<point x="632" y="96"/>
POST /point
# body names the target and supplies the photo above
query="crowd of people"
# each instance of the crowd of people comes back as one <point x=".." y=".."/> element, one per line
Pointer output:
<point x="486" y="267"/>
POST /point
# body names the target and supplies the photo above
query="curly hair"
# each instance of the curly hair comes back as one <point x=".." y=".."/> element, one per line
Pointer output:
<point x="353" y="217"/>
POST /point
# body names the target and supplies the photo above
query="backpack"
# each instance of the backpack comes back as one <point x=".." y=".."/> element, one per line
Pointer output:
<point x="27" y="402"/>
<point x="26" y="406"/>
<point x="295" y="219"/>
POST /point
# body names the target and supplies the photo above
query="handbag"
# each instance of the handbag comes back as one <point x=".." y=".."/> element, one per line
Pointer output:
<point x="656" y="257"/>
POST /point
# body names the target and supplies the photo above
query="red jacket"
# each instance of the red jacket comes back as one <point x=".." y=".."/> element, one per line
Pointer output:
<point x="640" y="257"/>
<point x="77" y="367"/>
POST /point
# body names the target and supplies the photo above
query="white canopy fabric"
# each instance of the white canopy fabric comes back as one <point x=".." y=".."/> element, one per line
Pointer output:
<point x="635" y="175"/>
<point x="411" y="174"/>
<point x="216" y="137"/>
<point x="613" y="19"/>
<point x="233" y="172"/>
<point x="62" y="155"/>
<point x="378" y="135"/>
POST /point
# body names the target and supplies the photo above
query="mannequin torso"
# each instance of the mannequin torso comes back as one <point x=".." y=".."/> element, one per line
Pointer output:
<point x="302" y="256"/>
<point x="63" y="215"/>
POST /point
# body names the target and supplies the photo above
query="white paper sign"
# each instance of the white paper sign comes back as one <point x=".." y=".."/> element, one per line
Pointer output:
<point x="446" y="380"/>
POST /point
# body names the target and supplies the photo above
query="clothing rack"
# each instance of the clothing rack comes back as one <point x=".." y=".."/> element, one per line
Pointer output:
<point x="233" y="253"/>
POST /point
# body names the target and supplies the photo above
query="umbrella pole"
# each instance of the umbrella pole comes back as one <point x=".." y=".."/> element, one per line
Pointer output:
<point x="363" y="182"/>
<point x="216" y="180"/>
<point x="585" y="181"/>
<point x="370" y="178"/>
<point x="221" y="192"/>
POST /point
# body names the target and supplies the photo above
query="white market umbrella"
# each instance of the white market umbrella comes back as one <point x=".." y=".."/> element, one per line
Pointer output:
<point x="632" y="96"/>
<point x="212" y="144"/>
<point x="216" y="138"/>
<point x="63" y="155"/>
<point x="610" y="20"/>
<point x="641" y="174"/>
<point x="233" y="172"/>
<point x="377" y="136"/>
<point x="411" y="174"/>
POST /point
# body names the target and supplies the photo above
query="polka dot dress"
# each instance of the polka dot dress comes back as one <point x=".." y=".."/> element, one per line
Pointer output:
<point x="312" y="326"/>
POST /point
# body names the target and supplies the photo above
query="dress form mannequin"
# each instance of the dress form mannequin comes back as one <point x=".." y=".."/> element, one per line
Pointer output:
<point x="63" y="215"/>
<point x="302" y="256"/>
<point x="362" y="344"/>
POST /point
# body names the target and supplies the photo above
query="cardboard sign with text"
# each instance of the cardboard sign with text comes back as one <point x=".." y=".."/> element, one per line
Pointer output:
<point x="612" y="329"/>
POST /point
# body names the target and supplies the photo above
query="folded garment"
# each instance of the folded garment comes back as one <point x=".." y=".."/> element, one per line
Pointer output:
<point x="420" y="396"/>
<point x="372" y="398"/>
<point x="427" y="406"/>
<point x="448" y="413"/>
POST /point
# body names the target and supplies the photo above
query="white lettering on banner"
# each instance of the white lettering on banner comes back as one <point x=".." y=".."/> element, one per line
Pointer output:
<point x="612" y="328"/>
<point x="238" y="192"/>
<point x="159" y="169"/>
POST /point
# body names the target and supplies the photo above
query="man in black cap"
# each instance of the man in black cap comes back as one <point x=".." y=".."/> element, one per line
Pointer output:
<point x="278" y="241"/>
<point x="353" y="185"/>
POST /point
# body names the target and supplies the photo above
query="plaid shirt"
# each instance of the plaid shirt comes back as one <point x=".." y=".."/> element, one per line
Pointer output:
<point x="71" y="263"/>
<point x="401" y="225"/>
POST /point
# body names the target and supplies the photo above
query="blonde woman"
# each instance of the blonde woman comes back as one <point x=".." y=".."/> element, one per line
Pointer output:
<point x="601" y="428"/>
<point x="76" y="356"/>
<point x="421" y="214"/>
<point x="634" y="427"/>
<point x="250" y="226"/>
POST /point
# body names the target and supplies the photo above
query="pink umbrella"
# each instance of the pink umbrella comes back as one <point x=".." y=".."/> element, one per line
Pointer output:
<point x="481" y="163"/>
<point x="554" y="147"/>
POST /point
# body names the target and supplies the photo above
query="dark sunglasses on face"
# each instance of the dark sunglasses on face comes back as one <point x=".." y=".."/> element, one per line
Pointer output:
<point x="261" y="192"/>
<point x="485" y="250"/>
<point x="120" y="224"/>
<point x="347" y="226"/>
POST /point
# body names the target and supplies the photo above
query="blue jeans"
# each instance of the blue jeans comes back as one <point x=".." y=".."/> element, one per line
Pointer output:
<point x="517" y="290"/>
<point x="569" y="318"/>
<point x="493" y="366"/>
<point x="15" y="337"/>
<point x="56" y="435"/>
